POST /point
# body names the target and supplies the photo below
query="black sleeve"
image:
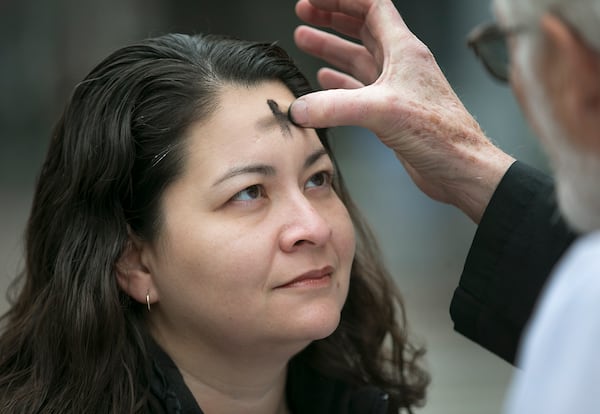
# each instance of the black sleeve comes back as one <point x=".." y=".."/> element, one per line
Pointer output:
<point x="520" y="238"/>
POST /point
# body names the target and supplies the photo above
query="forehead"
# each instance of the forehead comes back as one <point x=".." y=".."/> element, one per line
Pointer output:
<point x="244" y="120"/>
<point x="261" y="106"/>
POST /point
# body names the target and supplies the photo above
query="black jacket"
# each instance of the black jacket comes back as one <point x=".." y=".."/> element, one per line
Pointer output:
<point x="519" y="239"/>
<point x="307" y="391"/>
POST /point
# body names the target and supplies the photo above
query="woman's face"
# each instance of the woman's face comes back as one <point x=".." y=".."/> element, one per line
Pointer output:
<point x="255" y="247"/>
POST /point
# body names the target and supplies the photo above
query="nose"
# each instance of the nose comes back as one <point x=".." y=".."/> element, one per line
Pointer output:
<point x="304" y="225"/>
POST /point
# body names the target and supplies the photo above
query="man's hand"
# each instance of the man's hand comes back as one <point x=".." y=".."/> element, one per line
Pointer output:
<point x="391" y="84"/>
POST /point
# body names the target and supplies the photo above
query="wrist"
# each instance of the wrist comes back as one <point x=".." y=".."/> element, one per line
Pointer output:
<point x="483" y="171"/>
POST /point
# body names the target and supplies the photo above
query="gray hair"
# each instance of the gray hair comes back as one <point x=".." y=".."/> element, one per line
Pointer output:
<point x="581" y="15"/>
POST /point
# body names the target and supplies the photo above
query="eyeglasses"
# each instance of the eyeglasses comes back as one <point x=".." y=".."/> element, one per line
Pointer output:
<point x="488" y="42"/>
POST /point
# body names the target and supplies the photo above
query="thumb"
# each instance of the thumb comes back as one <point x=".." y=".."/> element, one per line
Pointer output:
<point x="331" y="108"/>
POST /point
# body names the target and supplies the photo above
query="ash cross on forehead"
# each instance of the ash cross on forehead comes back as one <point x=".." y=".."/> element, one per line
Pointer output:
<point x="282" y="119"/>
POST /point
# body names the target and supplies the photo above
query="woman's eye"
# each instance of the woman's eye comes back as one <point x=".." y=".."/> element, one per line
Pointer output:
<point x="250" y="193"/>
<point x="320" y="179"/>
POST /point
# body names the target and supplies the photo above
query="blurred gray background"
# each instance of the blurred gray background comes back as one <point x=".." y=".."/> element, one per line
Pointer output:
<point x="47" y="46"/>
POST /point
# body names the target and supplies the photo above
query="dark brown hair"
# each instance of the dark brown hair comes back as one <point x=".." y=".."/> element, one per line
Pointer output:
<point x="72" y="340"/>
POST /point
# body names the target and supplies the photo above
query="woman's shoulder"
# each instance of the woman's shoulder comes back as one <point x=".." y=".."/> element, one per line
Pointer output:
<point x="310" y="392"/>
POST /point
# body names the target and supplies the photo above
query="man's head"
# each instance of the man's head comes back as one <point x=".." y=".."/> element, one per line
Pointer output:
<point x="556" y="77"/>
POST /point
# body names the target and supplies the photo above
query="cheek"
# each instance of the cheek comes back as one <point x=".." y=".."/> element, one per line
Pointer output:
<point x="213" y="255"/>
<point x="516" y="82"/>
<point x="520" y="90"/>
<point x="525" y="83"/>
<point x="518" y="74"/>
<point x="345" y="245"/>
<point x="344" y="236"/>
<point x="213" y="281"/>
<point x="236" y="254"/>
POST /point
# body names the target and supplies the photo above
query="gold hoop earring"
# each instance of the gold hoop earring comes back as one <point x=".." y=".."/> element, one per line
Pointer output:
<point x="148" y="299"/>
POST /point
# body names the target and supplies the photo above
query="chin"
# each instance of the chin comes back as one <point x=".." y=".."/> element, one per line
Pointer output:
<point x="318" y="322"/>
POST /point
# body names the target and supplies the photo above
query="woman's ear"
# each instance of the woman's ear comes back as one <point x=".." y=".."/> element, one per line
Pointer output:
<point x="133" y="272"/>
<point x="573" y="73"/>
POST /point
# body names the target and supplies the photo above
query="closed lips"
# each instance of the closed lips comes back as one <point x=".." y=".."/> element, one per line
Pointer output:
<point x="313" y="275"/>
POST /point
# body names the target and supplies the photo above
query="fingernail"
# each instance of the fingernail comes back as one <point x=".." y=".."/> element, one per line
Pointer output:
<point x="300" y="115"/>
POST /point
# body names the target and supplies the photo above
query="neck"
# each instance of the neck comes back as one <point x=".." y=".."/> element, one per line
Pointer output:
<point x="224" y="381"/>
<point x="231" y="395"/>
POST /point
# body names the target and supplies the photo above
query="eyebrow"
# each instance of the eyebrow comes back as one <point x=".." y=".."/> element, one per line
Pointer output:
<point x="267" y="170"/>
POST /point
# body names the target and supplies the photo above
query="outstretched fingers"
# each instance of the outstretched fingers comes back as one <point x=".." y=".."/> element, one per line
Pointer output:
<point x="346" y="56"/>
<point x="376" y="23"/>
<point x="340" y="22"/>
<point x="351" y="17"/>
